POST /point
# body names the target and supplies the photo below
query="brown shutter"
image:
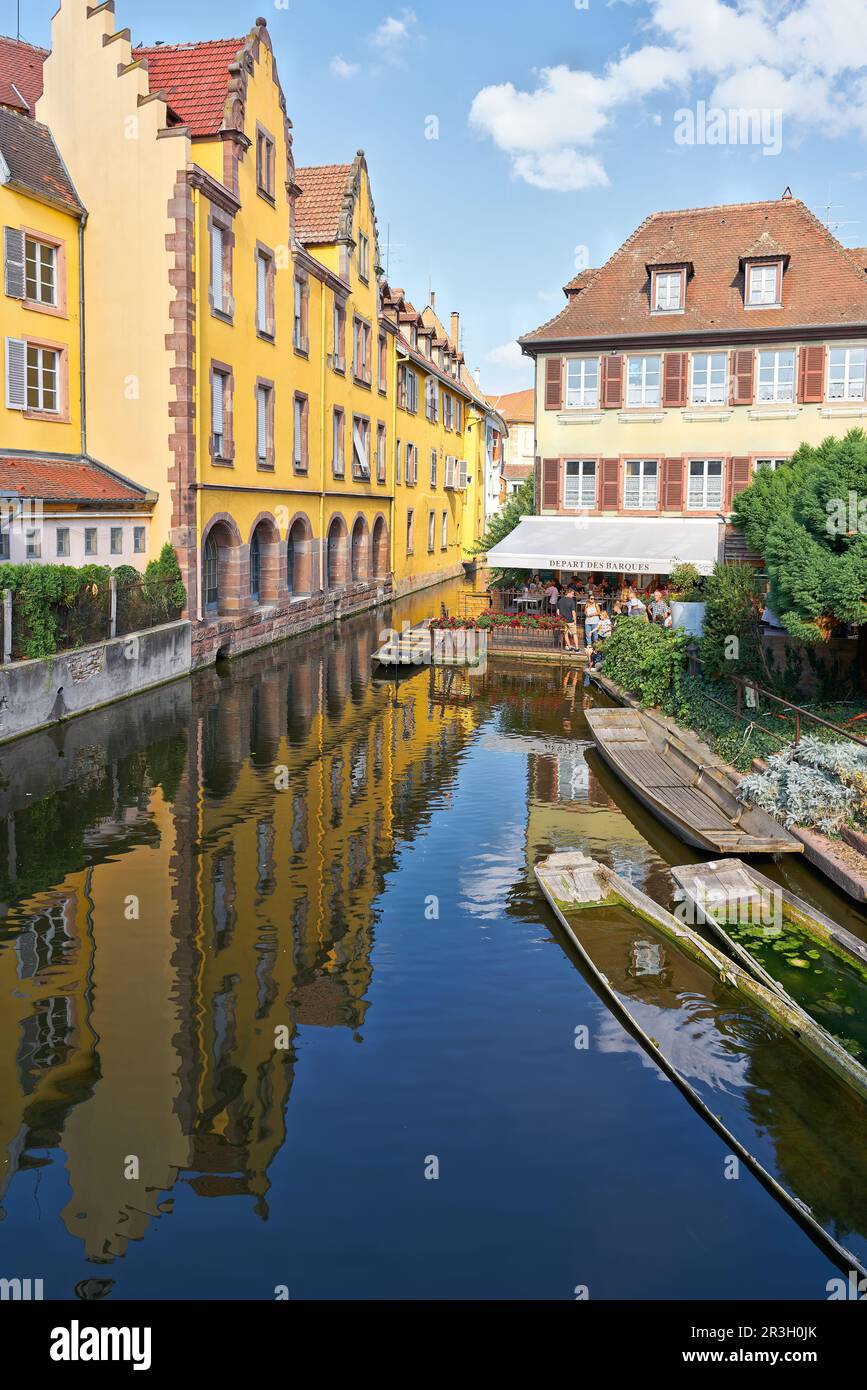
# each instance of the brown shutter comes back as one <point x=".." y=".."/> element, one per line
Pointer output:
<point x="553" y="383"/>
<point x="610" y="499"/>
<point x="612" y="382"/>
<point x="811" y="374"/>
<point x="550" y="485"/>
<point x="672" y="487"/>
<point x="674" y="371"/>
<point x="742" y="371"/>
<point x="739" y="475"/>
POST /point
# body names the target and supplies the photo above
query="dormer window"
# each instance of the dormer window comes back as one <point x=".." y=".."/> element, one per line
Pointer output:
<point x="764" y="284"/>
<point x="669" y="291"/>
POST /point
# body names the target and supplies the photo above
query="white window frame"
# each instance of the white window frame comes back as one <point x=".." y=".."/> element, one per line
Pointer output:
<point x="263" y="394"/>
<point x="781" y="393"/>
<point x="91" y="531"/>
<point x="218" y="412"/>
<point x="586" y="491"/>
<point x="664" y="303"/>
<point x="40" y="246"/>
<point x="762" y="292"/>
<point x="41" y="368"/>
<point x="706" y="501"/>
<point x="298" y="424"/>
<point x="841" y="379"/>
<point x="338" y="434"/>
<point x="360" y="447"/>
<point x="218" y="298"/>
<point x="771" y="463"/>
<point x="444" y="531"/>
<point x="262" y="271"/>
<point x="581" y="392"/>
<point x="139" y="533"/>
<point x="363" y="256"/>
<point x="431" y="532"/>
<point x="648" y="485"/>
<point x="710" y="391"/>
<point x="643" y="392"/>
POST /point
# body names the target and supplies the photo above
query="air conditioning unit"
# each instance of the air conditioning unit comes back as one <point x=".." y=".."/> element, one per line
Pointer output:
<point x="450" y="476"/>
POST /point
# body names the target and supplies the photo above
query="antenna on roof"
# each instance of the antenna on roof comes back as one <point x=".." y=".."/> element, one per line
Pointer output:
<point x="18" y="23"/>
<point x="837" y="223"/>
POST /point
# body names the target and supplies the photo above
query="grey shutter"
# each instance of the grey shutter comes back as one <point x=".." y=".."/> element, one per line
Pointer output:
<point x="217" y="403"/>
<point x="13" y="245"/>
<point x="16" y="374"/>
<point x="262" y="424"/>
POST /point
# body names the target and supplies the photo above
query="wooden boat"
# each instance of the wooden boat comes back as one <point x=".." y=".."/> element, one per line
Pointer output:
<point x="694" y="798"/>
<point x="653" y="970"/>
<point x="784" y="942"/>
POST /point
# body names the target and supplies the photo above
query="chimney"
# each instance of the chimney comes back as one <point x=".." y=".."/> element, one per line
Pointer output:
<point x="478" y="375"/>
<point x="433" y="300"/>
<point x="456" y="329"/>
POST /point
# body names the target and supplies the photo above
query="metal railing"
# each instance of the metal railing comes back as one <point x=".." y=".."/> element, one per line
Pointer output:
<point x="752" y="692"/>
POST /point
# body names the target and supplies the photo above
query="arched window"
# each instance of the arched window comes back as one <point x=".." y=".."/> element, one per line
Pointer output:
<point x="291" y="561"/>
<point x="336" y="556"/>
<point x="210" y="575"/>
<point x="255" y="567"/>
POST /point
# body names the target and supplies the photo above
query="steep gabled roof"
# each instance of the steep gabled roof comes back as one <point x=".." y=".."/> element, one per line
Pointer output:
<point x="20" y="74"/>
<point x="195" y="79"/>
<point x="33" y="160"/>
<point x="823" y="283"/>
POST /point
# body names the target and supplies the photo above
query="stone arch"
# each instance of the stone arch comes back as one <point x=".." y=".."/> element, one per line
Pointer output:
<point x="221" y="566"/>
<point x="379" y="557"/>
<point x="300" y="557"/>
<point x="359" y="550"/>
<point x="266" y="561"/>
<point x="336" y="553"/>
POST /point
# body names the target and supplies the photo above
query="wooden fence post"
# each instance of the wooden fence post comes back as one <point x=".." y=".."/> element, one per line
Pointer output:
<point x="112" y="626"/>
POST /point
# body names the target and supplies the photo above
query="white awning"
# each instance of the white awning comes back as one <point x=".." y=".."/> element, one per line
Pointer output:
<point x="610" y="545"/>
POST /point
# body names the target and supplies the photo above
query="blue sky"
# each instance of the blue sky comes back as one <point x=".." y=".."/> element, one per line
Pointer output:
<point x="560" y="125"/>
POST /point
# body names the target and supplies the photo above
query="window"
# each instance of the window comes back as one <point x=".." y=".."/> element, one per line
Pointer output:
<point x="361" y="366"/>
<point x="704" y="491"/>
<point x="582" y="381"/>
<point x="300" y="339"/>
<point x="432" y="400"/>
<point x="220" y="270"/>
<point x="407" y="389"/>
<point x="409" y="531"/>
<point x="579" y="483"/>
<point x="763" y="284"/>
<point x="299" y="447"/>
<point x="62" y="535"/>
<point x="444" y="531"/>
<point x="4" y="540"/>
<point x="211" y="575"/>
<point x="380" y="453"/>
<point x="339" y="336"/>
<point x="265" y="162"/>
<point x="40" y="271"/>
<point x="220" y="392"/>
<point x="338" y="465"/>
<point x="431" y="531"/>
<point x="459" y="416"/>
<point x="363" y="256"/>
<point x="769" y="463"/>
<point x="264" y="426"/>
<point x="255" y="567"/>
<point x="846" y="374"/>
<point x="397" y="461"/>
<point x="709" y="373"/>
<point x="90" y="540"/>
<point x="115" y="544"/>
<point x="382" y="374"/>
<point x="411" y="465"/>
<point x="640" y="484"/>
<point x="643" y="381"/>
<point x="138" y="540"/>
<point x="42" y="378"/>
<point x="33" y="540"/>
<point x="777" y="375"/>
<point x="433" y="467"/>
<point x="360" y="447"/>
<point x="265" y="294"/>
<point x="667" y="291"/>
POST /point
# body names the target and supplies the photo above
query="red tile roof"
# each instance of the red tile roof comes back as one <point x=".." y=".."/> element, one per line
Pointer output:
<point x="317" y="211"/>
<point x="823" y="284"/>
<point x="517" y="407"/>
<point x="195" y="79"/>
<point x="65" y="479"/>
<point x="20" y="74"/>
<point x="517" y="472"/>
<point x="33" y="160"/>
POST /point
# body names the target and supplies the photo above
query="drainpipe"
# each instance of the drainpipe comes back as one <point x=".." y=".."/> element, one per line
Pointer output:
<point x="197" y="396"/>
<point x="82" y="373"/>
<point x="323" y="542"/>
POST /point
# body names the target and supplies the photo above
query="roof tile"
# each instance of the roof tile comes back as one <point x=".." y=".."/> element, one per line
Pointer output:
<point x="34" y="161"/>
<point x="65" y="479"/>
<point x="317" y="211"/>
<point x="20" y="74"/>
<point x="195" y="79"/>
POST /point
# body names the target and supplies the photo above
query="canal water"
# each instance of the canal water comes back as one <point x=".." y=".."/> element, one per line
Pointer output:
<point x="281" y="1006"/>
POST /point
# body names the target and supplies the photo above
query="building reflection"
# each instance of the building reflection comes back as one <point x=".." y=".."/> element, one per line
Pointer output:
<point x="193" y="879"/>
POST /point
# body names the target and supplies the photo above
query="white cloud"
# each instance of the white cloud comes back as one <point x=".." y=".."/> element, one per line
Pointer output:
<point x="341" y="68"/>
<point x="393" y="33"/>
<point x="508" y="355"/>
<point x="803" y="57"/>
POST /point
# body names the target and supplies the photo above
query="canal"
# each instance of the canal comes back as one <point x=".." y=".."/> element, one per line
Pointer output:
<point x="281" y="1005"/>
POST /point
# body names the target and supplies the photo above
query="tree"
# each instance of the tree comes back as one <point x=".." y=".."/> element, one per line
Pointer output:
<point x="502" y="523"/>
<point x="808" y="521"/>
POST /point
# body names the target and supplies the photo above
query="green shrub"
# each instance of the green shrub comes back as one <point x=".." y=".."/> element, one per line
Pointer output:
<point x="686" y="584"/>
<point x="731" y="643"/>
<point x="647" y="660"/>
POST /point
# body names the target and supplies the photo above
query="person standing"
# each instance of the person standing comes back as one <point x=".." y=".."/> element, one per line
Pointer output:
<point x="659" y="609"/>
<point x="592" y="616"/>
<point x="552" y="593"/>
<point x="568" y="610"/>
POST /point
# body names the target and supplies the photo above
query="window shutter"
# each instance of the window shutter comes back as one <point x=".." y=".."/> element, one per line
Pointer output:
<point x="738" y="477"/>
<point x="811" y="374"/>
<point x="610" y="485"/>
<point x="672" y="489"/>
<point x="742" y="371"/>
<point x="16" y="373"/>
<point x="612" y="382"/>
<point x="217" y="403"/>
<point x="13" y="240"/>
<point x="553" y="383"/>
<point x="262" y="423"/>
<point x="674" y="379"/>
<point x="550" y="484"/>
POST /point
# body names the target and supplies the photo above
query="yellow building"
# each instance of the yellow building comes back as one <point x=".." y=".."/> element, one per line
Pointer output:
<point x="244" y="353"/>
